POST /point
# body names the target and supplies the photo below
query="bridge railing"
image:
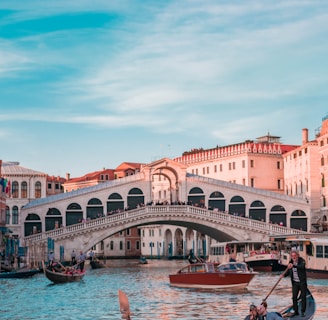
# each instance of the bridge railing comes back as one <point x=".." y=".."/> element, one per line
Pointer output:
<point x="218" y="216"/>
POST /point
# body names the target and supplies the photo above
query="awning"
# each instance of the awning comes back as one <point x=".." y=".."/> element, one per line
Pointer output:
<point x="5" y="230"/>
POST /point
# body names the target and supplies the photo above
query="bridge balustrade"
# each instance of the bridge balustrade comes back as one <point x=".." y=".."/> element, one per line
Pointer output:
<point x="160" y="210"/>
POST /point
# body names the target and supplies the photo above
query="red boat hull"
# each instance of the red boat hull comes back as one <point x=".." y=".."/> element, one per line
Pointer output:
<point x="208" y="277"/>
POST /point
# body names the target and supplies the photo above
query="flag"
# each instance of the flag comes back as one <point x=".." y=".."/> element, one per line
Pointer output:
<point x="2" y="183"/>
<point x="8" y="187"/>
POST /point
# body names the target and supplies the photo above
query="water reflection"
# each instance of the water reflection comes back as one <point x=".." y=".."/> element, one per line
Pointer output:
<point x="149" y="292"/>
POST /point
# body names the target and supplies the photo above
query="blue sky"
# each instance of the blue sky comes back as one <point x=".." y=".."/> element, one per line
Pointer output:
<point x="86" y="85"/>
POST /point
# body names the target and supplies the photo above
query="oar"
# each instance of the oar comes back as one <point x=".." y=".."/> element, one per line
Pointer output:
<point x="124" y="305"/>
<point x="280" y="277"/>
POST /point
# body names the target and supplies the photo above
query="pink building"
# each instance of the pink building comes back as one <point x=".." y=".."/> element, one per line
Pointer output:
<point x="257" y="164"/>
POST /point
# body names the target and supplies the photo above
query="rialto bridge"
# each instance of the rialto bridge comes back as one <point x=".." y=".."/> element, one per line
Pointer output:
<point x="162" y="193"/>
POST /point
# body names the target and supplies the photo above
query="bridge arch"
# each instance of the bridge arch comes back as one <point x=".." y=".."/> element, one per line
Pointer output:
<point x="74" y="214"/>
<point x="95" y="208"/>
<point x="196" y="197"/>
<point x="217" y="201"/>
<point x="135" y="198"/>
<point x="53" y="219"/>
<point x="278" y="215"/>
<point x="115" y="202"/>
<point x="257" y="210"/>
<point x="32" y="224"/>
<point x="237" y="206"/>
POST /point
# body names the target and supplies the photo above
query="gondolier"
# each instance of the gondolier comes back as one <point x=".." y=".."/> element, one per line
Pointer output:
<point x="82" y="258"/>
<point x="297" y="273"/>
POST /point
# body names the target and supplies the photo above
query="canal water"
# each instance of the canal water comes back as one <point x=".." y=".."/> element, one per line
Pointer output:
<point x="149" y="292"/>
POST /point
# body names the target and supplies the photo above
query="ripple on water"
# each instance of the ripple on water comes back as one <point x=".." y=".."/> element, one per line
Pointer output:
<point x="149" y="292"/>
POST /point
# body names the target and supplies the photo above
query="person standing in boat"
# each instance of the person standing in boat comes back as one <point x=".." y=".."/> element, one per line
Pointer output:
<point x="51" y="258"/>
<point x="297" y="273"/>
<point x="82" y="258"/>
<point x="73" y="257"/>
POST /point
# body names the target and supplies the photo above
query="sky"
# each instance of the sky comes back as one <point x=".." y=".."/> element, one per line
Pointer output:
<point x="87" y="85"/>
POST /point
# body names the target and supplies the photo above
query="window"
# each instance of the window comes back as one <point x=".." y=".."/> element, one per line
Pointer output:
<point x="279" y="184"/>
<point x="322" y="161"/>
<point x="278" y="165"/>
<point x="121" y="245"/>
<point x="128" y="245"/>
<point x="234" y="165"/>
<point x="229" y="165"/>
<point x="24" y="190"/>
<point x="215" y="169"/>
<point x="252" y="182"/>
<point x="243" y="164"/>
<point x="15" y="215"/>
<point x="127" y="232"/>
<point x="252" y="163"/>
<point x="208" y="170"/>
<point x="7" y="215"/>
<point x="57" y="186"/>
<point x="197" y="171"/>
<point x="203" y="170"/>
<point x="220" y="167"/>
<point x="49" y="185"/>
<point x="319" y="250"/>
<point x="15" y="189"/>
<point x="138" y="245"/>
<point x="38" y="189"/>
<point x="112" y="245"/>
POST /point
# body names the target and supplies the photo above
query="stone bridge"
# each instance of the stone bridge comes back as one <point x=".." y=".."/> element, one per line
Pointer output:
<point x="215" y="224"/>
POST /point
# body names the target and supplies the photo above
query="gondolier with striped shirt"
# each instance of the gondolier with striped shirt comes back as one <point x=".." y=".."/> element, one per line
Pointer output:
<point x="297" y="273"/>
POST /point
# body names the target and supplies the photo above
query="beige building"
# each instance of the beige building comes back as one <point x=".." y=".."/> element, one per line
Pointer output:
<point x="257" y="164"/>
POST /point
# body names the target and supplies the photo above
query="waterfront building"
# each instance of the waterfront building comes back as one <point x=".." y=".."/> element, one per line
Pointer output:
<point x="88" y="180"/>
<point x="25" y="185"/>
<point x="306" y="174"/>
<point x="257" y="164"/>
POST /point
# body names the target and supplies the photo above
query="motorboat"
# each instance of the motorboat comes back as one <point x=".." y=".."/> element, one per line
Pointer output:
<point x="209" y="275"/>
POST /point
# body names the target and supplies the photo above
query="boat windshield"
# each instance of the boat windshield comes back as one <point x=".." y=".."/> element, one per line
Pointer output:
<point x="232" y="267"/>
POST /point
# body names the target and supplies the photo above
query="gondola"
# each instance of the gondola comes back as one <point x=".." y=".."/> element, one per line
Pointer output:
<point x="19" y="274"/>
<point x="68" y="274"/>
<point x="310" y="309"/>
<point x="96" y="264"/>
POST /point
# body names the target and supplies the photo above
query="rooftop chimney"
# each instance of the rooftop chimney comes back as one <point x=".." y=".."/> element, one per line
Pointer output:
<point x="305" y="136"/>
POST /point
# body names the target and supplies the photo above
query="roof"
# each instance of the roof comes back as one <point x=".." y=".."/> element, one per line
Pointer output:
<point x="13" y="168"/>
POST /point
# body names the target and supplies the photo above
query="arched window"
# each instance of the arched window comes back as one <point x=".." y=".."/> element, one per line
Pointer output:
<point x="24" y="189"/>
<point x="38" y="189"/>
<point x="7" y="215"/>
<point x="15" y="215"/>
<point x="15" y="189"/>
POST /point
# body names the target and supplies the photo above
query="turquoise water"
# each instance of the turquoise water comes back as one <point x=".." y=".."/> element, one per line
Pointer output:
<point x="149" y="292"/>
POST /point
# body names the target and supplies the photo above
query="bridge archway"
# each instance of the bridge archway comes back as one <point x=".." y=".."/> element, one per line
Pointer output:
<point x="74" y="214"/>
<point x="53" y="219"/>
